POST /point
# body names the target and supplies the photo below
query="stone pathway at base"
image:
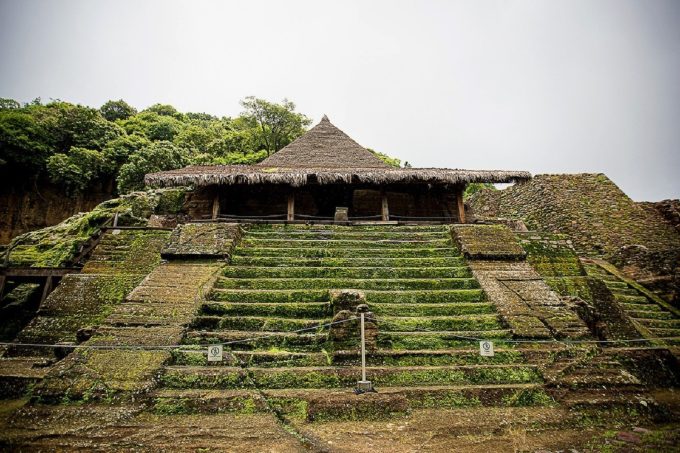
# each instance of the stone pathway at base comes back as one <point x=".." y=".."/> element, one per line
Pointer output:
<point x="115" y="428"/>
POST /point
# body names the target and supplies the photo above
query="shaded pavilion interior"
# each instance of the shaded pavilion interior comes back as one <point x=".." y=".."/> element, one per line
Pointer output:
<point x="325" y="176"/>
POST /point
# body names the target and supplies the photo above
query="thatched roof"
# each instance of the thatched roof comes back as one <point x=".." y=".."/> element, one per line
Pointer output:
<point x="296" y="177"/>
<point x="324" y="146"/>
<point x="324" y="155"/>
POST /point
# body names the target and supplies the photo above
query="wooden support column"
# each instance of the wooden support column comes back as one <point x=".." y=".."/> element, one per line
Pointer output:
<point x="291" y="206"/>
<point x="47" y="289"/>
<point x="216" y="206"/>
<point x="385" y="207"/>
<point x="461" y="206"/>
<point x="2" y="285"/>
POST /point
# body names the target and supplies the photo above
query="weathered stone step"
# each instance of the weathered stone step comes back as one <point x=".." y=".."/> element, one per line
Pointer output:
<point x="184" y="377"/>
<point x="263" y="359"/>
<point x="255" y="323"/>
<point x="660" y="323"/>
<point x="273" y="261"/>
<point x="442" y="309"/>
<point x="425" y="357"/>
<point x="437" y="340"/>
<point x="329" y="283"/>
<point x="598" y="377"/>
<point x="200" y="401"/>
<point x="439" y="323"/>
<point x="645" y="306"/>
<point x="405" y="243"/>
<point x="349" y="234"/>
<point x="345" y="404"/>
<point x="236" y="340"/>
<point x="18" y="374"/>
<point x="321" y="252"/>
<point x="298" y="310"/>
<point x="380" y="357"/>
<point x="269" y="296"/>
<point x="649" y="314"/>
<point x="632" y="299"/>
<point x="345" y="272"/>
<point x="338" y="228"/>
<point x="425" y="296"/>
<point x="616" y="285"/>
<point x="660" y="332"/>
<point x="625" y="292"/>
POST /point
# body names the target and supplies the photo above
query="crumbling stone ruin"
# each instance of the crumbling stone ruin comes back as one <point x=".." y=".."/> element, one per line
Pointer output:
<point x="121" y="309"/>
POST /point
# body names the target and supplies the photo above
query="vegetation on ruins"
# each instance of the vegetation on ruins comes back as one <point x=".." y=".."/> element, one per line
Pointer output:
<point x="79" y="147"/>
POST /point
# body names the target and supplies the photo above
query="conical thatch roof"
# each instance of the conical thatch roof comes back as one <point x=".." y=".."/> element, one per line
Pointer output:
<point x="324" y="155"/>
<point x="324" y="146"/>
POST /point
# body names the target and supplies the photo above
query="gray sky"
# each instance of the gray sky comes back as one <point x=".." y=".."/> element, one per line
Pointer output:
<point x="545" y="86"/>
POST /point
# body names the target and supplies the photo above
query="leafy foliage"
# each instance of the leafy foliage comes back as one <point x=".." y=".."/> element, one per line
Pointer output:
<point x="475" y="187"/>
<point x="158" y="156"/>
<point x="117" y="110"/>
<point x="79" y="147"/>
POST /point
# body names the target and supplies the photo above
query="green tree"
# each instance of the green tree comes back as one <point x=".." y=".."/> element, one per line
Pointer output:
<point x="158" y="156"/>
<point x="76" y="169"/>
<point x="391" y="161"/>
<point x="8" y="104"/>
<point x="117" y="110"/>
<point x="278" y="124"/>
<point x="475" y="187"/>
<point x="165" y="110"/>
<point x="25" y="145"/>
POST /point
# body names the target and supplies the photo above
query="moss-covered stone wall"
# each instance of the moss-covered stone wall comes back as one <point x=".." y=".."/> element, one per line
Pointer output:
<point x="589" y="208"/>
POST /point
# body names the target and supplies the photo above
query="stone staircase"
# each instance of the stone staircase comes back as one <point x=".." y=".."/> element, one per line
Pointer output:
<point x="80" y="302"/>
<point x="277" y="290"/>
<point x="652" y="319"/>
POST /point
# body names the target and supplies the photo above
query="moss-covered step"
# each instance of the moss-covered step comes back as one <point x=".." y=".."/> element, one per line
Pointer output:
<point x="648" y="314"/>
<point x="334" y="377"/>
<point x="187" y="377"/>
<point x="437" y="340"/>
<point x="274" y="358"/>
<point x="319" y="405"/>
<point x="285" y="262"/>
<point x="634" y="299"/>
<point x="349" y="234"/>
<point x="345" y="272"/>
<point x="346" y="243"/>
<point x="19" y="374"/>
<point x="439" y="323"/>
<point x="425" y="296"/>
<point x="338" y="228"/>
<point x="442" y="309"/>
<point x="269" y="295"/>
<point x="255" y="323"/>
<point x="424" y="357"/>
<point x="198" y="401"/>
<point x="239" y="340"/>
<point x="299" y="310"/>
<point x="197" y="377"/>
<point x="321" y="252"/>
<point x="327" y="283"/>
<point x="660" y="323"/>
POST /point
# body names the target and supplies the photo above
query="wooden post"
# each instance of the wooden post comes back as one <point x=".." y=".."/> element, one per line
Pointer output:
<point x="47" y="289"/>
<point x="2" y="285"/>
<point x="461" y="206"/>
<point x="216" y="206"/>
<point x="291" y="206"/>
<point x="385" y="207"/>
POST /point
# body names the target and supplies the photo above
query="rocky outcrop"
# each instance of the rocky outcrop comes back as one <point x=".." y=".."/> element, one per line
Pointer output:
<point x="40" y="205"/>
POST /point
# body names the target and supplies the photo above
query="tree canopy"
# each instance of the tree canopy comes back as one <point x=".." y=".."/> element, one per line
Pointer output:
<point x="78" y="147"/>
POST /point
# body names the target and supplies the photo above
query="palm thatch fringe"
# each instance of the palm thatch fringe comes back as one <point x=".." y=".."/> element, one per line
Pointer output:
<point x="297" y="177"/>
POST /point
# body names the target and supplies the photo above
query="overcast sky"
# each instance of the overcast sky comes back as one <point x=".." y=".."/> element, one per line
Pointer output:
<point x="545" y="86"/>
